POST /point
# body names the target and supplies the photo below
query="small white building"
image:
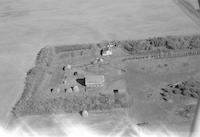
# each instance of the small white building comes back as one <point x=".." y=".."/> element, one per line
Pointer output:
<point x="106" y="52"/>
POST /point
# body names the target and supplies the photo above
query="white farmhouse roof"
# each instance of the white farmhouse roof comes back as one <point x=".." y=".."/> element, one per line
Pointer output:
<point x="110" y="46"/>
<point x="107" y="53"/>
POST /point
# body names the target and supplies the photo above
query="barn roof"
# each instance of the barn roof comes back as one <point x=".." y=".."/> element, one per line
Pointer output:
<point x="94" y="79"/>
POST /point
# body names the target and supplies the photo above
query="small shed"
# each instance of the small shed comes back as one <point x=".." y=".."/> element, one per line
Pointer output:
<point x="76" y="89"/>
<point x="94" y="81"/>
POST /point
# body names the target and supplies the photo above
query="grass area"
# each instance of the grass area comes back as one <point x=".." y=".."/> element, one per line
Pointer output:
<point x="69" y="104"/>
<point x="68" y="48"/>
<point x="45" y="56"/>
<point x="146" y="82"/>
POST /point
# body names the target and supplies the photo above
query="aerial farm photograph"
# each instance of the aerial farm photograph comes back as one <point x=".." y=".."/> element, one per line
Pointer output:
<point x="100" y="68"/>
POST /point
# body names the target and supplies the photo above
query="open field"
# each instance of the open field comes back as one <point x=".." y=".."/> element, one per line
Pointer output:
<point x="145" y="81"/>
<point x="26" y="27"/>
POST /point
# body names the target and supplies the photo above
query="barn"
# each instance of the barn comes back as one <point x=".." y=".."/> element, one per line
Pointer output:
<point x="94" y="80"/>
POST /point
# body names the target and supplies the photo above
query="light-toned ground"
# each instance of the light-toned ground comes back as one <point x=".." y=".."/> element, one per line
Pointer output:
<point x="26" y="27"/>
<point x="107" y="123"/>
<point x="144" y="82"/>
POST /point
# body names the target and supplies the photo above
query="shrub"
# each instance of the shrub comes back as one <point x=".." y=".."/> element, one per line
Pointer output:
<point x="44" y="56"/>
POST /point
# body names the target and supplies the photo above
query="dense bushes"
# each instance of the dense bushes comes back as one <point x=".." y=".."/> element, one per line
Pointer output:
<point x="26" y="107"/>
<point x="45" y="56"/>
<point x="33" y="78"/>
<point x="72" y="103"/>
<point x="162" y="44"/>
<point x="66" y="48"/>
<point x="95" y="102"/>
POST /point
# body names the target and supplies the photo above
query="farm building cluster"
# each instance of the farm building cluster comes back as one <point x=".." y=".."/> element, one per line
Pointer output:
<point x="81" y="80"/>
<point x="93" y="76"/>
<point x="77" y="81"/>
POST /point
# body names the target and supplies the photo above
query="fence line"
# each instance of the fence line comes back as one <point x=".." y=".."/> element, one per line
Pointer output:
<point x="163" y="55"/>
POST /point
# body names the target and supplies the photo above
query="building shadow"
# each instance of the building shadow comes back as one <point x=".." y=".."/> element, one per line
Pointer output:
<point x="81" y="81"/>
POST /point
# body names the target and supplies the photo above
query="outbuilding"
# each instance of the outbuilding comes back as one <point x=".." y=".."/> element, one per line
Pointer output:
<point x="94" y="81"/>
<point x="106" y="51"/>
<point x="76" y="89"/>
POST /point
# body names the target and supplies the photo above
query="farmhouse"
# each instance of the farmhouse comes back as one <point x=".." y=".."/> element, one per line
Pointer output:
<point x="94" y="81"/>
<point x="106" y="51"/>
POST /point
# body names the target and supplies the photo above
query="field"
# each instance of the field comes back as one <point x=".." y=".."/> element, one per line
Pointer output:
<point x="26" y="27"/>
<point x="145" y="81"/>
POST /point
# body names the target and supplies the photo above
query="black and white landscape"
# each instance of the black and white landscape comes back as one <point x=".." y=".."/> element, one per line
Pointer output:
<point x="51" y="50"/>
